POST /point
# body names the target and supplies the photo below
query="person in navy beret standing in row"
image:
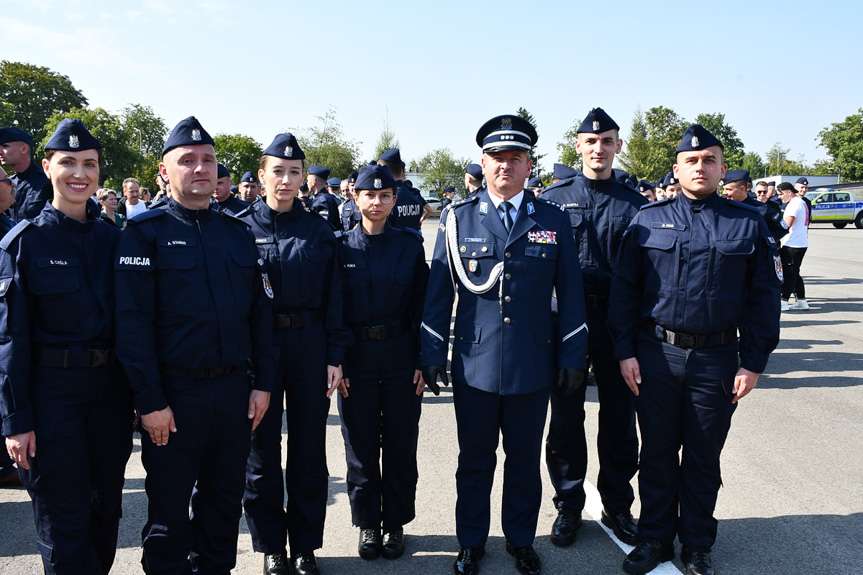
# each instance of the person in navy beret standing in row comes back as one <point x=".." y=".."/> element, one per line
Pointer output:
<point x="385" y="277"/>
<point x="223" y="196"/>
<point x="298" y="249"/>
<point x="194" y="326"/>
<point x="33" y="191"/>
<point x="65" y="402"/>
<point x="504" y="253"/>
<point x="408" y="211"/>
<point x="692" y="273"/>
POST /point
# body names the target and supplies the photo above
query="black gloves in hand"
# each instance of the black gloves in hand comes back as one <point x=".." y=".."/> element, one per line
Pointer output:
<point x="569" y="379"/>
<point x="430" y="375"/>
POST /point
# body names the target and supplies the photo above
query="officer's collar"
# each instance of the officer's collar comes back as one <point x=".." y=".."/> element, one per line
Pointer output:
<point x="190" y="214"/>
<point x="52" y="214"/>
<point x="709" y="201"/>
<point x="269" y="214"/>
<point x="597" y="184"/>
<point x="515" y="200"/>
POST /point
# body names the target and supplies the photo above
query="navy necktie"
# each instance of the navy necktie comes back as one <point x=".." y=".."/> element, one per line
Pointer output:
<point x="507" y="219"/>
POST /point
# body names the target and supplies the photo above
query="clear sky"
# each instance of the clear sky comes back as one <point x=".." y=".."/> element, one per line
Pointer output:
<point x="437" y="70"/>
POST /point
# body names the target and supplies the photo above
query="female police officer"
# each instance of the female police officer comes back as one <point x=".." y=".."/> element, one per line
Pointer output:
<point x="385" y="277"/>
<point x="66" y="405"/>
<point x="298" y="248"/>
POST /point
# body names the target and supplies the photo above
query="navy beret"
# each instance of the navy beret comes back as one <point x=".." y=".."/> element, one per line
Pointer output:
<point x="353" y="176"/>
<point x="669" y="180"/>
<point x="72" y="136"/>
<point x="334" y="182"/>
<point x="620" y="175"/>
<point x="802" y="181"/>
<point x="475" y="171"/>
<point x="12" y="134"/>
<point x="234" y="189"/>
<point x="285" y="146"/>
<point x="506" y="132"/>
<point x="449" y="189"/>
<point x="393" y="155"/>
<point x="223" y="172"/>
<point x="735" y="176"/>
<point x="562" y="172"/>
<point x="771" y="183"/>
<point x="188" y="132"/>
<point x="319" y="171"/>
<point x="632" y="181"/>
<point x="534" y="183"/>
<point x="644" y="185"/>
<point x="785" y="186"/>
<point x="248" y="177"/>
<point x="697" y="138"/>
<point x="597" y="121"/>
<point x="304" y="187"/>
<point x="375" y="178"/>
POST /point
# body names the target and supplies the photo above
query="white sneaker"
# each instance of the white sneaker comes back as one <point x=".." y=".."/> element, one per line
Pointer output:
<point x="799" y="304"/>
<point x="783" y="305"/>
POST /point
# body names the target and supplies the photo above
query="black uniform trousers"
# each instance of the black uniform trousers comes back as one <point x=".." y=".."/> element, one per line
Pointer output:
<point x="481" y="418"/>
<point x="617" y="440"/>
<point x="684" y="401"/>
<point x="206" y="455"/>
<point x="380" y="426"/>
<point x="303" y="377"/>
<point x="792" y="282"/>
<point x="83" y="426"/>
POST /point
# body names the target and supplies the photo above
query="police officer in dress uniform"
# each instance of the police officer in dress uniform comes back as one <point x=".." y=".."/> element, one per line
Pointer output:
<point x="408" y="211"/>
<point x="692" y="273"/>
<point x="350" y="213"/>
<point x="65" y="403"/>
<point x="326" y="203"/>
<point x="600" y="209"/>
<point x="448" y="195"/>
<point x="734" y="188"/>
<point x="33" y="191"/>
<point x="222" y="194"/>
<point x="299" y="251"/>
<point x="503" y="254"/>
<point x="385" y="277"/>
<point x="473" y="179"/>
<point x="195" y="322"/>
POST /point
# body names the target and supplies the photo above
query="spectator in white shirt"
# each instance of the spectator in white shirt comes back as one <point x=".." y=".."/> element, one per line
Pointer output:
<point x="794" y="245"/>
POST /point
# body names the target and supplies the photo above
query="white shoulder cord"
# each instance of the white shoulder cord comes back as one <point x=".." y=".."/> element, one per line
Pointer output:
<point x="456" y="263"/>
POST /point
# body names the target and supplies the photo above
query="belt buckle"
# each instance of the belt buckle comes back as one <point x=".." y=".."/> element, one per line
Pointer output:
<point x="295" y="321"/>
<point x="99" y="357"/>
<point x="686" y="341"/>
<point x="377" y="332"/>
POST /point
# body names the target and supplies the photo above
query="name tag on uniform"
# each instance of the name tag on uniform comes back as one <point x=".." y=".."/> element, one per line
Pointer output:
<point x="668" y="226"/>
<point x="542" y="237"/>
<point x="468" y="240"/>
<point x="263" y="240"/>
<point x="57" y="262"/>
<point x="176" y="243"/>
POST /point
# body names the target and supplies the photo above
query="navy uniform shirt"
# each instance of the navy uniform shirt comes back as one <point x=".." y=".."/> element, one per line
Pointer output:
<point x="444" y="203"/>
<point x="505" y="339"/>
<point x="33" y="191"/>
<point x="191" y="295"/>
<point x="407" y="211"/>
<point x="56" y="291"/>
<point x="599" y="212"/>
<point x="351" y="215"/>
<point x="327" y="205"/>
<point x="698" y="267"/>
<point x="233" y="205"/>
<point x="772" y="217"/>
<point x="299" y="252"/>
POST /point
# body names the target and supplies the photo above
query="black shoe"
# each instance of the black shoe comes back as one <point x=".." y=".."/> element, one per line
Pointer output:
<point x="467" y="562"/>
<point x="565" y="527"/>
<point x="305" y="563"/>
<point x="647" y="555"/>
<point x="369" y="546"/>
<point x="394" y="543"/>
<point x="623" y="525"/>
<point x="526" y="559"/>
<point x="697" y="560"/>
<point x="276" y="564"/>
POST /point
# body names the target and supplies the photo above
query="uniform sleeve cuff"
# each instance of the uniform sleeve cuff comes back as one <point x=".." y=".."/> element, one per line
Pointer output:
<point x="336" y="355"/>
<point x="150" y="401"/>
<point x="18" y="422"/>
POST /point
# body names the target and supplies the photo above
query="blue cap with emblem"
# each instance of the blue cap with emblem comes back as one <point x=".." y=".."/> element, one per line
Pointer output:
<point x="334" y="182"/>
<point x="507" y="132"/>
<point x="234" y="189"/>
<point x="735" y="176"/>
<point x="353" y="177"/>
<point x="249" y="178"/>
<point x="375" y="178"/>
<point x="534" y="183"/>
<point x="393" y="155"/>
<point x="562" y="172"/>
<point x="697" y="138"/>
<point x="632" y="181"/>
<point x="475" y="171"/>
<point x="285" y="146"/>
<point x="13" y="134"/>
<point x="803" y="181"/>
<point x="223" y="172"/>
<point x="771" y="183"/>
<point x="644" y="185"/>
<point x="319" y="171"/>
<point x="72" y="136"/>
<point x="188" y="132"/>
<point x="620" y="175"/>
<point x="669" y="180"/>
<point x="449" y="190"/>
<point x="596" y="122"/>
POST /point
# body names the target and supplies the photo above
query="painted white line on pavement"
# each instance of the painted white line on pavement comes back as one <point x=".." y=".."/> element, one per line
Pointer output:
<point x="593" y="506"/>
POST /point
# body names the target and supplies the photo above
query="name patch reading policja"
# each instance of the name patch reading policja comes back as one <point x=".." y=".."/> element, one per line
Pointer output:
<point x="134" y="261"/>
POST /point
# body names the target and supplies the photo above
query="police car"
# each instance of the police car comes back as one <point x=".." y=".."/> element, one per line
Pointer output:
<point x="839" y="205"/>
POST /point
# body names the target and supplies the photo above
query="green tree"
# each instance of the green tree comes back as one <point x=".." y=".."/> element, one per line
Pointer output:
<point x="844" y="144"/>
<point x="636" y="151"/>
<point x="536" y="170"/>
<point x="238" y="153"/>
<point x="752" y="161"/>
<point x="7" y="113"/>
<point x="326" y="145"/>
<point x="665" y="129"/>
<point x="37" y="94"/>
<point x="386" y="140"/>
<point x="149" y="129"/>
<point x="568" y="155"/>
<point x="733" y="145"/>
<point x="441" y="169"/>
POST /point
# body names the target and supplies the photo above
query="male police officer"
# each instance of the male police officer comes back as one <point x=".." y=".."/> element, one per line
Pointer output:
<point x="197" y="311"/>
<point x="600" y="209"/>
<point x="692" y="273"/>
<point x="30" y="181"/>
<point x="561" y="172"/>
<point x="473" y="179"/>
<point x="250" y="190"/>
<point x="734" y="187"/>
<point x="349" y="211"/>
<point x="503" y="253"/>
<point x="408" y="211"/>
<point x="222" y="194"/>
<point x="326" y="203"/>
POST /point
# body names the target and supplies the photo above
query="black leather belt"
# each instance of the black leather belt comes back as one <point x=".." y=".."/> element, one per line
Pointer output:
<point x="297" y="320"/>
<point x="695" y="341"/>
<point x="82" y="358"/>
<point x="382" y="332"/>
<point x="206" y="373"/>
<point x="595" y="301"/>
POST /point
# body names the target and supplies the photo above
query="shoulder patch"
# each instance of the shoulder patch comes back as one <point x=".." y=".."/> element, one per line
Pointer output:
<point x="464" y="202"/>
<point x="550" y="203"/>
<point x="664" y="202"/>
<point x="147" y="215"/>
<point x="13" y="233"/>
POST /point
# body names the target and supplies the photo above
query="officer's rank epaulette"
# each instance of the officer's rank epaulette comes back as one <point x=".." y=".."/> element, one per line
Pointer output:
<point x="551" y="203"/>
<point x="235" y="217"/>
<point x="659" y="203"/>
<point x="13" y="233"/>
<point x="744" y="206"/>
<point x="464" y="202"/>
<point x="147" y="215"/>
<point x="414" y="233"/>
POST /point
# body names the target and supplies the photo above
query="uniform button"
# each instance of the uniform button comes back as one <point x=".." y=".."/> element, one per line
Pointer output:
<point x="507" y="299"/>
<point x="543" y="254"/>
<point x="507" y="276"/>
<point x="506" y="320"/>
<point x="507" y="254"/>
<point x="473" y="253"/>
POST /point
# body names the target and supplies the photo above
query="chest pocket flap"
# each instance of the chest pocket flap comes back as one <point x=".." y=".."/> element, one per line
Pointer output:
<point x="659" y="238"/>
<point x="476" y="250"/>
<point x="741" y="247"/>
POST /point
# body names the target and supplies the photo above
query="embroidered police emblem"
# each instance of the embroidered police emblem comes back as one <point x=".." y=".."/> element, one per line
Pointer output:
<point x="73" y="141"/>
<point x="471" y="265"/>
<point x="695" y="141"/>
<point x="196" y="134"/>
<point x="483" y="208"/>
<point x="777" y="265"/>
<point x="506" y="123"/>
<point x="530" y="208"/>
<point x="289" y="151"/>
<point x="596" y="125"/>
<point x="378" y="183"/>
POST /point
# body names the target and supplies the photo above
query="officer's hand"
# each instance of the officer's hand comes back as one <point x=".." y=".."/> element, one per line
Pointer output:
<point x="259" y="401"/>
<point x="569" y="379"/>
<point x="744" y="382"/>
<point x="420" y="382"/>
<point x="21" y="446"/>
<point x="631" y="372"/>
<point x="160" y="425"/>
<point x="430" y="374"/>
<point x="334" y="378"/>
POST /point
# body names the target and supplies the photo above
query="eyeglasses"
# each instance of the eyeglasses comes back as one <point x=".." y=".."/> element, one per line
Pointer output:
<point x="7" y="180"/>
<point x="386" y="199"/>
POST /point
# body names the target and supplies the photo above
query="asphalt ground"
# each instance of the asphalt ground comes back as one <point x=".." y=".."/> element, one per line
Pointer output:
<point x="792" y="500"/>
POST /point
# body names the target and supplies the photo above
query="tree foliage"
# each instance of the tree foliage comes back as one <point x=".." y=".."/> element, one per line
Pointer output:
<point x="653" y="139"/>
<point x="535" y="158"/>
<point x="441" y="169"/>
<point x="844" y="144"/>
<point x="568" y="155"/>
<point x="752" y="161"/>
<point x="779" y="163"/>
<point x="147" y="128"/>
<point x="37" y="94"/>
<point x="635" y="155"/>
<point x="726" y="134"/>
<point x="238" y="153"/>
<point x="386" y="140"/>
<point x="326" y="145"/>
